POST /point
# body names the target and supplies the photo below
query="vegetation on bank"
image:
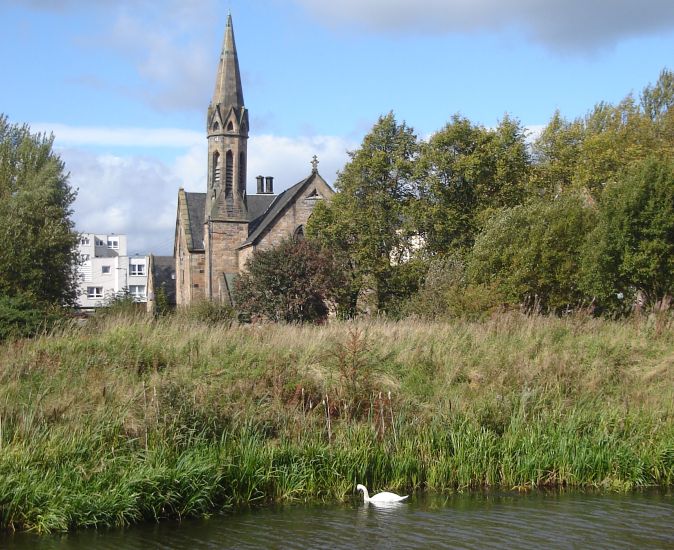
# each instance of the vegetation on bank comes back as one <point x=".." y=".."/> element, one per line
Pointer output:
<point x="125" y="419"/>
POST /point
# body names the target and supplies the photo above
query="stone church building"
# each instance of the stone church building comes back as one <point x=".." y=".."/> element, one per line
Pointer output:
<point x="217" y="231"/>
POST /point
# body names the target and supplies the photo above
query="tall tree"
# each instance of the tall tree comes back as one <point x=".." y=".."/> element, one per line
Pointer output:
<point x="364" y="221"/>
<point x="632" y="247"/>
<point x="38" y="251"/>
<point x="463" y="171"/>
<point x="531" y="252"/>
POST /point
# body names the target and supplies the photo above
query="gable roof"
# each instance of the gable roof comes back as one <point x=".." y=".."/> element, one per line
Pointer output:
<point x="196" y="206"/>
<point x="262" y="211"/>
<point x="275" y="208"/>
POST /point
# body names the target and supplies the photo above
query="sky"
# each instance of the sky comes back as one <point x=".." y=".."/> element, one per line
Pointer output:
<point x="124" y="84"/>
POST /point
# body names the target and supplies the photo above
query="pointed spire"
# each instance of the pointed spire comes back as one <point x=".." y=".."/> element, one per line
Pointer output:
<point x="228" y="91"/>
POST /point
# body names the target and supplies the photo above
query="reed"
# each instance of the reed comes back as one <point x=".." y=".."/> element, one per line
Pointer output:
<point x="128" y="420"/>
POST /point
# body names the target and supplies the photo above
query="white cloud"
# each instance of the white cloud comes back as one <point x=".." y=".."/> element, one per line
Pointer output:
<point x="577" y="25"/>
<point x="136" y="195"/>
<point x="119" y="137"/>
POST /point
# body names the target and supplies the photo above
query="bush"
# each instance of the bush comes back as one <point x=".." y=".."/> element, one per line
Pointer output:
<point x="292" y="282"/>
<point x="21" y="317"/>
<point x="446" y="294"/>
<point x="208" y="312"/>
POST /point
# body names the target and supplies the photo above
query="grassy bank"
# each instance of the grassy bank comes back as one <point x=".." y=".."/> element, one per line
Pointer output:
<point x="125" y="420"/>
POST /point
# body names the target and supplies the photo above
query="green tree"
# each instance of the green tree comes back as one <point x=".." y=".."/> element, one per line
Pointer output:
<point x="38" y="251"/>
<point x="531" y="252"/>
<point x="364" y="223"/>
<point x="292" y="282"/>
<point x="463" y="172"/>
<point x="632" y="248"/>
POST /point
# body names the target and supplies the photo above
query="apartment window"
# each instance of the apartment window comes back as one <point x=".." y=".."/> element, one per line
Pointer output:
<point x="84" y="240"/>
<point x="137" y="292"/>
<point x="113" y="244"/>
<point x="94" y="292"/>
<point x="137" y="269"/>
<point x="105" y="269"/>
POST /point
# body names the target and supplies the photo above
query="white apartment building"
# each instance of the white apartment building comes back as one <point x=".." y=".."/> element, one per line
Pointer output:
<point x="106" y="269"/>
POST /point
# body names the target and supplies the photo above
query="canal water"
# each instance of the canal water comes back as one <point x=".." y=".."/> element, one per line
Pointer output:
<point x="489" y="520"/>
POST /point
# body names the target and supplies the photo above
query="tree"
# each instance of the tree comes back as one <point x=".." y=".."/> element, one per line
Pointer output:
<point x="292" y="282"/>
<point x="531" y="252"/>
<point x="364" y="223"/>
<point x="38" y="252"/>
<point x="464" y="171"/>
<point x="632" y="248"/>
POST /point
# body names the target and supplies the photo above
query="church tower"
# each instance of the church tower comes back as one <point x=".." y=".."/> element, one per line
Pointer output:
<point x="227" y="130"/>
<point x="225" y="207"/>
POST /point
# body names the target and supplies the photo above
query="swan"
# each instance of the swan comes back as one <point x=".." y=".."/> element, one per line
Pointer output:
<point x="379" y="497"/>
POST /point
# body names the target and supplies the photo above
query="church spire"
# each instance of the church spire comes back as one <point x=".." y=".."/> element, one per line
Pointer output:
<point x="228" y="91"/>
<point x="227" y="131"/>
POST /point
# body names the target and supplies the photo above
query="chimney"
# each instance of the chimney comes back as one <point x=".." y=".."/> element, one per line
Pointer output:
<point x="269" y="185"/>
<point x="260" y="185"/>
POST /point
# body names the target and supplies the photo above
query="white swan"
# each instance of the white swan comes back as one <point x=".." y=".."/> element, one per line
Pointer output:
<point x="379" y="498"/>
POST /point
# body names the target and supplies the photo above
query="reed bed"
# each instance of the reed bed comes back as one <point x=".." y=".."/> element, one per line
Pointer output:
<point x="132" y="419"/>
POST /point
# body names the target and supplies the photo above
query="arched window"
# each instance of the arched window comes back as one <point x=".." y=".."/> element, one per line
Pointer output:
<point x="242" y="171"/>
<point x="216" y="169"/>
<point x="230" y="126"/>
<point x="229" y="173"/>
<point x="216" y="126"/>
<point x="298" y="234"/>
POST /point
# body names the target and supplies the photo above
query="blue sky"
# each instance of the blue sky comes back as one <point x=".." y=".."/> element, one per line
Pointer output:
<point x="124" y="84"/>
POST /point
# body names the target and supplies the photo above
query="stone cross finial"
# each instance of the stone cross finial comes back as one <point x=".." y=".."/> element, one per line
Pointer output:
<point x="314" y="165"/>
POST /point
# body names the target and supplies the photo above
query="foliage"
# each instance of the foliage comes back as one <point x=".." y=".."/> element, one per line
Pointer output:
<point x="142" y="420"/>
<point x="209" y="312"/>
<point x="364" y="223"/>
<point x="292" y="282"/>
<point x="463" y="171"/>
<point x="632" y="247"/>
<point x="38" y="252"/>
<point x="446" y="293"/>
<point x="21" y="317"/>
<point x="531" y="252"/>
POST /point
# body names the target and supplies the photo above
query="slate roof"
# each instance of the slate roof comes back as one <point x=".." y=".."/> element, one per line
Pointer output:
<point x="257" y="227"/>
<point x="163" y="273"/>
<point x="262" y="212"/>
<point x="196" y="206"/>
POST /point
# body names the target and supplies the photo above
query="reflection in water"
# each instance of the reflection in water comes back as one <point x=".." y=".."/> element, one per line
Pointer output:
<point x="538" y="520"/>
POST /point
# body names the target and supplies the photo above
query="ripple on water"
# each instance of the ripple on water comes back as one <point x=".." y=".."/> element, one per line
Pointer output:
<point x="489" y="520"/>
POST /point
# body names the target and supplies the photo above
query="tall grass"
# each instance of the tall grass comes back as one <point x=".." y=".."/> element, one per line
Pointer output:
<point x="131" y="419"/>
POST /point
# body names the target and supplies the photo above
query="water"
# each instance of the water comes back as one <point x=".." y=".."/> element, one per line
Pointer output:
<point x="505" y="520"/>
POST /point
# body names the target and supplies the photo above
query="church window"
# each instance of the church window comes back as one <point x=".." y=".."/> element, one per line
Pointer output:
<point x="216" y="168"/>
<point x="229" y="173"/>
<point x="216" y="126"/>
<point x="298" y="235"/>
<point x="242" y="171"/>
<point x="230" y="126"/>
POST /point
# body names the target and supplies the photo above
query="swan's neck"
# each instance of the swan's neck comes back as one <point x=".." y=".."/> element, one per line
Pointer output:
<point x="366" y="495"/>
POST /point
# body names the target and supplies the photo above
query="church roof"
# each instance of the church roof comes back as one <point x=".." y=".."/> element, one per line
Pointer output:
<point x="275" y="208"/>
<point x="263" y="210"/>
<point x="196" y="205"/>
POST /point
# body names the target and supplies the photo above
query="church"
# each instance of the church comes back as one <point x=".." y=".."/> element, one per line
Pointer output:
<point x="217" y="231"/>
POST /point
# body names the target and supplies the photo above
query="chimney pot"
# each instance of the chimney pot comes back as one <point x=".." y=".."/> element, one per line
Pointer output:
<point x="260" y="184"/>
<point x="269" y="185"/>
